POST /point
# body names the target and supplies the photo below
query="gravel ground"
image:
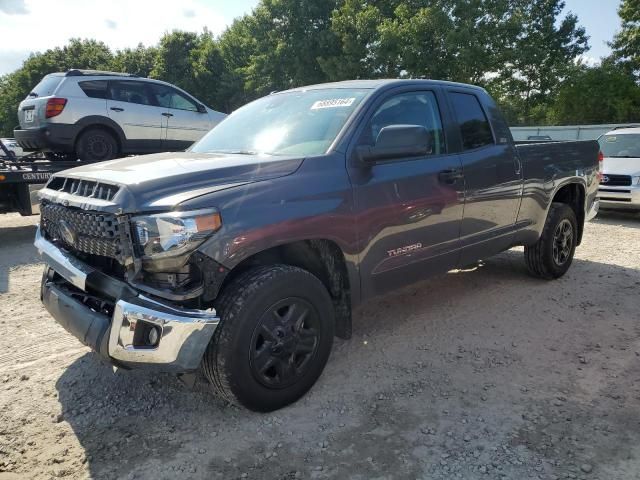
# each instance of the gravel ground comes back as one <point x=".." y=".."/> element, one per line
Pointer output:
<point x="482" y="373"/>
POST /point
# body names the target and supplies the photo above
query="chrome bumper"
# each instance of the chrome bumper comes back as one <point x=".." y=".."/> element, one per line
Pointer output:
<point x="624" y="198"/>
<point x="182" y="334"/>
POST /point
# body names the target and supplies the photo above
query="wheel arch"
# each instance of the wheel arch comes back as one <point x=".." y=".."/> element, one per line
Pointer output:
<point x="98" y="121"/>
<point x="573" y="194"/>
<point x="320" y="257"/>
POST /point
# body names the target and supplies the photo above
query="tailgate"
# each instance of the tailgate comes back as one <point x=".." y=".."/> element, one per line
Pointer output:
<point x="31" y="112"/>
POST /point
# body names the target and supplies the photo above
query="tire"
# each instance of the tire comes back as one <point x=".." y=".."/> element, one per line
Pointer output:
<point x="265" y="354"/>
<point x="96" y="145"/>
<point x="551" y="256"/>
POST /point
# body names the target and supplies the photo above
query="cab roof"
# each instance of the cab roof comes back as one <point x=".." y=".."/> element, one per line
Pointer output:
<point x="384" y="83"/>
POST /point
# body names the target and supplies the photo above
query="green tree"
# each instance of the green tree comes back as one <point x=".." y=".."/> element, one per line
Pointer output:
<point x="174" y="61"/>
<point x="137" y="61"/>
<point x="237" y="46"/>
<point x="519" y="49"/>
<point x="277" y="47"/>
<point x="537" y="58"/>
<point x="603" y="94"/>
<point x="191" y="61"/>
<point x="626" y="44"/>
<point x="460" y="40"/>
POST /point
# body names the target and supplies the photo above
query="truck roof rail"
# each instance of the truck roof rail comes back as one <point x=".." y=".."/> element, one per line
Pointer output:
<point x="92" y="73"/>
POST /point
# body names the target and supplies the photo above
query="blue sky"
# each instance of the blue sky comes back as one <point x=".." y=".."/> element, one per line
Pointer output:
<point x="26" y="27"/>
<point x="600" y="19"/>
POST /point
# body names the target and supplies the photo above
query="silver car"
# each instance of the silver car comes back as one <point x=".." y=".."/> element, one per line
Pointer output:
<point x="95" y="116"/>
<point x="620" y="183"/>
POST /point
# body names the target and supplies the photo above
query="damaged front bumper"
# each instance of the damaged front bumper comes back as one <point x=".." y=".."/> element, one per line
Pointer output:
<point x="117" y="321"/>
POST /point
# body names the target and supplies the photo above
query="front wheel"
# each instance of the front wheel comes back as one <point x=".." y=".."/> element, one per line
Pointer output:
<point x="551" y="256"/>
<point x="274" y="338"/>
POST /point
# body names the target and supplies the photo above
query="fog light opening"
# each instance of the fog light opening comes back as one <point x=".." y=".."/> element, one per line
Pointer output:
<point x="153" y="337"/>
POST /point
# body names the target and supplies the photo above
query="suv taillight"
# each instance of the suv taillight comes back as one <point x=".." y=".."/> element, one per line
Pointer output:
<point x="55" y="107"/>
<point x="600" y="165"/>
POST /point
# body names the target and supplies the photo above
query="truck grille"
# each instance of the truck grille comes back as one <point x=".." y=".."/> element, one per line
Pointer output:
<point x="83" y="188"/>
<point x="87" y="232"/>
<point x="609" y="180"/>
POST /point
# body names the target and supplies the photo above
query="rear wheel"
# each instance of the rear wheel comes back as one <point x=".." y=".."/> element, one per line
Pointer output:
<point x="96" y="145"/>
<point x="551" y="256"/>
<point x="274" y="338"/>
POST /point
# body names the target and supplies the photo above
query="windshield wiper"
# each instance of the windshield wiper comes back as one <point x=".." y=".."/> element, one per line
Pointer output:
<point x="32" y="94"/>
<point x="624" y="156"/>
<point x="243" y="152"/>
<point x="236" y="152"/>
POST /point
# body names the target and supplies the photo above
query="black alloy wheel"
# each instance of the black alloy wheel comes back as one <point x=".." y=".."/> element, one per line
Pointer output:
<point x="284" y="342"/>
<point x="562" y="242"/>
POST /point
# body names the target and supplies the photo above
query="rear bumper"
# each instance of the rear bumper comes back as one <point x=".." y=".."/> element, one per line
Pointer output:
<point x="57" y="137"/>
<point x="620" y="198"/>
<point x="122" y="337"/>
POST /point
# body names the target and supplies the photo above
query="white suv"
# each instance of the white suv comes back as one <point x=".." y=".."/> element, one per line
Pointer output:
<point x="95" y="116"/>
<point x="620" y="183"/>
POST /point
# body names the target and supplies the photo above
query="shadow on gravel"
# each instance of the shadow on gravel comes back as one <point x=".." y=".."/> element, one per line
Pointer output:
<point x="615" y="217"/>
<point x="14" y="236"/>
<point x="145" y="425"/>
<point x="16" y="248"/>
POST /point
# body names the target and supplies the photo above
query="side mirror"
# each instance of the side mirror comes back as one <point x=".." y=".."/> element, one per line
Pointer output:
<point x="202" y="108"/>
<point x="397" y="141"/>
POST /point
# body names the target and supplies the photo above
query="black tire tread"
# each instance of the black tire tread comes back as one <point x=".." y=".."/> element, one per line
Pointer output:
<point x="535" y="255"/>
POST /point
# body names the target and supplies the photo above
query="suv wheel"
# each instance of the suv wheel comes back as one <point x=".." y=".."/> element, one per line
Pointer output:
<point x="274" y="338"/>
<point x="96" y="145"/>
<point x="551" y="256"/>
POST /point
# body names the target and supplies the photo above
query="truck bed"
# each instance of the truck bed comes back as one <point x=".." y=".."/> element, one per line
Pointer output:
<point x="549" y="157"/>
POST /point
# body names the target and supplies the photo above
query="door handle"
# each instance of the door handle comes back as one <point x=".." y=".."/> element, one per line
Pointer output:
<point x="166" y="114"/>
<point x="450" y="176"/>
<point x="117" y="109"/>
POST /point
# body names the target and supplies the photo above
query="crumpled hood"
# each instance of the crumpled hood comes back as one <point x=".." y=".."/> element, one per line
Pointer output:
<point x="163" y="180"/>
<point x="622" y="166"/>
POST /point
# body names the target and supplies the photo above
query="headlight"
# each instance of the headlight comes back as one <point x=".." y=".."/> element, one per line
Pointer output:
<point x="174" y="233"/>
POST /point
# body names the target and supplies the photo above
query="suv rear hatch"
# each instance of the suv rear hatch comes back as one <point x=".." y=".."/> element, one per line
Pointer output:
<point x="31" y="111"/>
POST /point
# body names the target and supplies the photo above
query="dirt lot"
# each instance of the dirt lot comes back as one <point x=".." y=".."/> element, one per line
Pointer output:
<point x="485" y="373"/>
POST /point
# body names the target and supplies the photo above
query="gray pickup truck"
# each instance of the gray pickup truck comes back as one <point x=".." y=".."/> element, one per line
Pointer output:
<point x="247" y="254"/>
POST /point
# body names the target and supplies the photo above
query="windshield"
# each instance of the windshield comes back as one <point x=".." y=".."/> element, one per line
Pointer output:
<point x="621" y="146"/>
<point x="46" y="86"/>
<point x="290" y="123"/>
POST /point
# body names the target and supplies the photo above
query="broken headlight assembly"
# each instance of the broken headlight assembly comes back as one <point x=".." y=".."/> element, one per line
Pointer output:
<point x="166" y="240"/>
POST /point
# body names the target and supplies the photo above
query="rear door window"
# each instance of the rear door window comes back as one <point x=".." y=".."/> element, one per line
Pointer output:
<point x="129" y="91"/>
<point x="473" y="123"/>
<point x="94" y="88"/>
<point x="46" y="86"/>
